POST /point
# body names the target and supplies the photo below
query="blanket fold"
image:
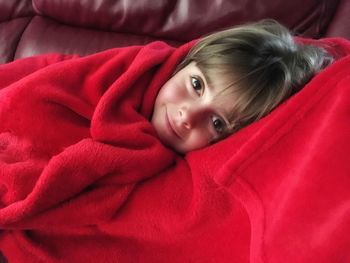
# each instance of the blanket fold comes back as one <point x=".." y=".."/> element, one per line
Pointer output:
<point x="83" y="177"/>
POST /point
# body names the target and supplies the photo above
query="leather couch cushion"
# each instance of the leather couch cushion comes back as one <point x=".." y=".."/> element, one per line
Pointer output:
<point x="340" y="24"/>
<point x="14" y="9"/>
<point x="30" y="27"/>
<point x="44" y="35"/>
<point x="183" y="20"/>
<point x="10" y="35"/>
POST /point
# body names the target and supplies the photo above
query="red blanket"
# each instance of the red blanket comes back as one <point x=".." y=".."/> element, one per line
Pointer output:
<point x="83" y="177"/>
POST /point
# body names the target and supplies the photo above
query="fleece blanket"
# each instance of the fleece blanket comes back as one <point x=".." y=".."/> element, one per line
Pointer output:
<point x="83" y="177"/>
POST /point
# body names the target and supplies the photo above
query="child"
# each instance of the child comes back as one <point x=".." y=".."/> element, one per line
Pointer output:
<point x="76" y="135"/>
<point x="231" y="79"/>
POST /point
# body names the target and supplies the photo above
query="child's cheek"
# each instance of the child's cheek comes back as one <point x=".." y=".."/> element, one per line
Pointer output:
<point x="199" y="139"/>
<point x="174" y="93"/>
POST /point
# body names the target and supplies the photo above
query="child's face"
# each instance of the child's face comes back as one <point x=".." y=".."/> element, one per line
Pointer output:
<point x="188" y="112"/>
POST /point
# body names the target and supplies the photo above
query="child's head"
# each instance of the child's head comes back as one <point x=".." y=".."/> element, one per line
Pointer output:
<point x="229" y="80"/>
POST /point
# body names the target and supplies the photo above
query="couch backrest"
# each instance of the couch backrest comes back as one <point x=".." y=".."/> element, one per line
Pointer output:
<point x="30" y="27"/>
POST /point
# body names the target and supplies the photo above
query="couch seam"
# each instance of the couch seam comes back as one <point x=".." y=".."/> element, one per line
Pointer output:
<point x="21" y="37"/>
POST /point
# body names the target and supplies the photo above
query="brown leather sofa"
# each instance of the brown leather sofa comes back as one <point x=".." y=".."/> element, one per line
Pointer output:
<point x="30" y="27"/>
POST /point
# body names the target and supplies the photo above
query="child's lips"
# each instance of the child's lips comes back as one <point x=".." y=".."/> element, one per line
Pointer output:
<point x="171" y="126"/>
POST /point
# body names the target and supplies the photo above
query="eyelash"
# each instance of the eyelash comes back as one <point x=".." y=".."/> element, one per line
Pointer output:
<point x="199" y="90"/>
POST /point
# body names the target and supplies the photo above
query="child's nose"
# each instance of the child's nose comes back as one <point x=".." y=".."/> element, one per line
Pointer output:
<point x="189" y="116"/>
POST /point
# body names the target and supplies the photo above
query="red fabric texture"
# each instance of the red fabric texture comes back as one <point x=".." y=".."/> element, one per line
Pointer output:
<point x="83" y="177"/>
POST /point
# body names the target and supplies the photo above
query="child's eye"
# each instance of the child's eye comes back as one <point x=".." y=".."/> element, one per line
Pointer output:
<point x="197" y="85"/>
<point x="218" y="124"/>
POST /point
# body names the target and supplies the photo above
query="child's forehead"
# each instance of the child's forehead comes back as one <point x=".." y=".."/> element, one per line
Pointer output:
<point x="218" y="75"/>
<point x="220" y="81"/>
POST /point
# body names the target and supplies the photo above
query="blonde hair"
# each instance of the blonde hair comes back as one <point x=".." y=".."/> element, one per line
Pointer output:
<point x="264" y="62"/>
